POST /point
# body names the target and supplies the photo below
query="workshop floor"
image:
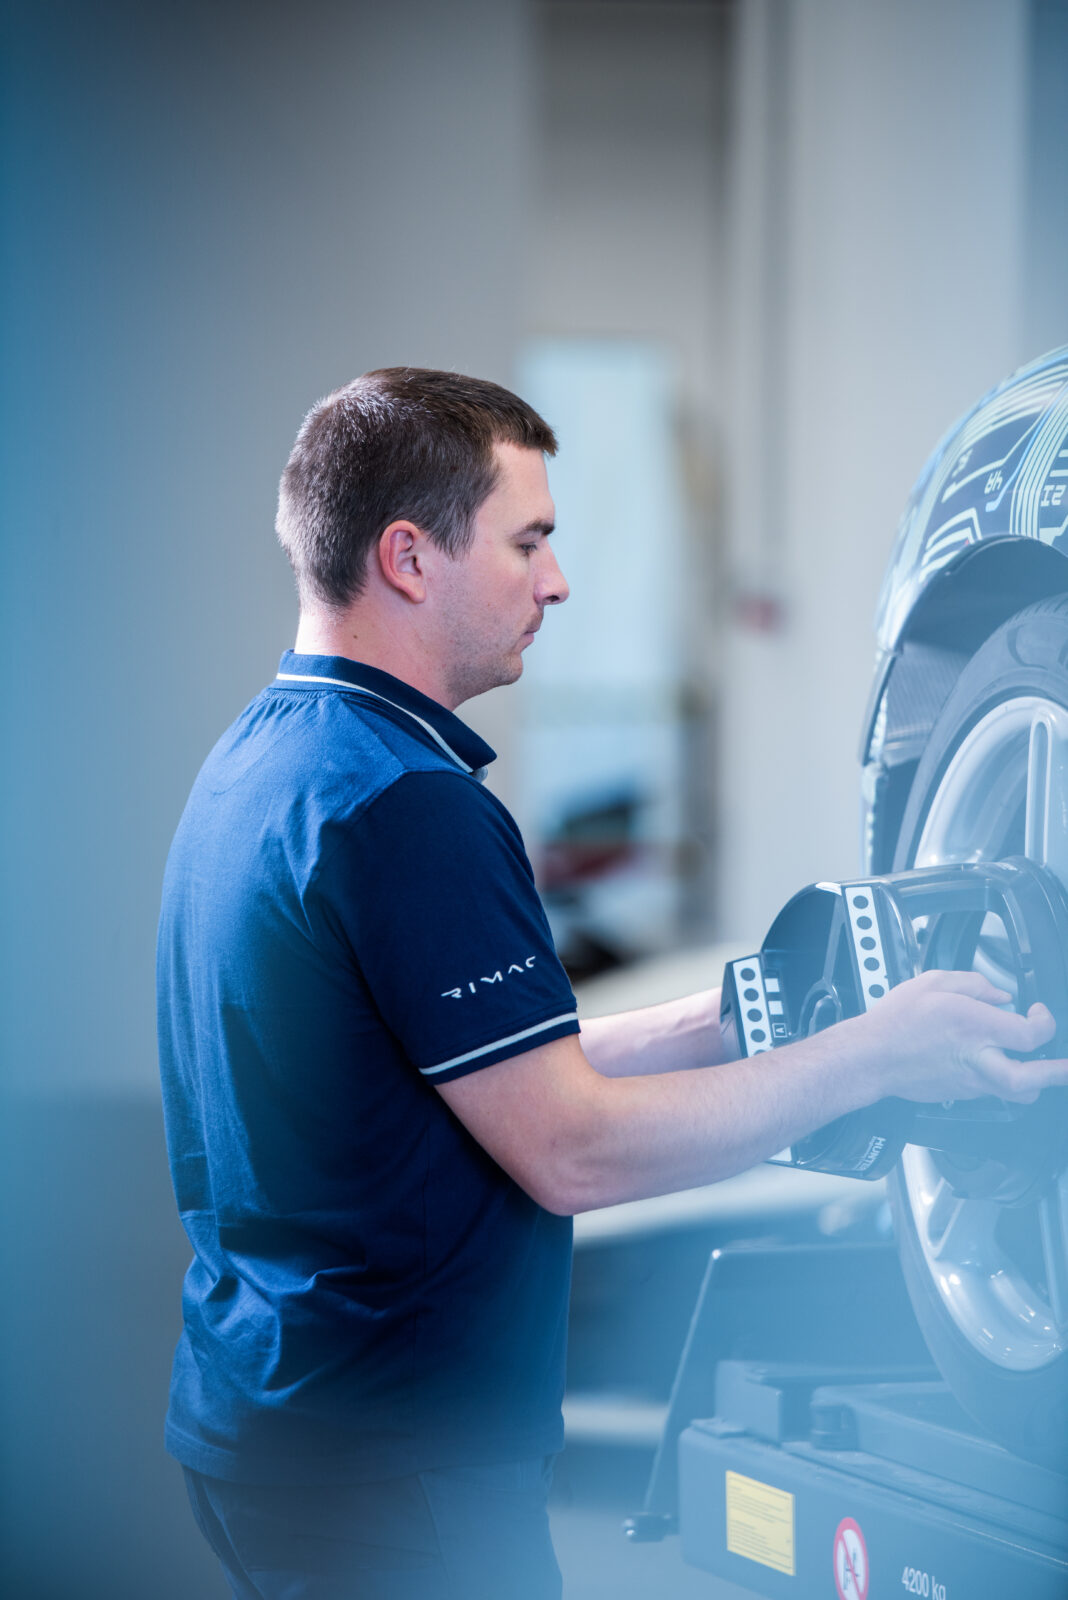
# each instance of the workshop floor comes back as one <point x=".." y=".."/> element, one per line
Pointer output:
<point x="598" y="1563"/>
<point x="593" y="1491"/>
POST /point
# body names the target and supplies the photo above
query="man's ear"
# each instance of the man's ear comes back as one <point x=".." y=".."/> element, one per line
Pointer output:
<point x="402" y="560"/>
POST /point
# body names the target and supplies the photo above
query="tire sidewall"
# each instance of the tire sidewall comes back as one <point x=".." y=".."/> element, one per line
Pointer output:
<point x="1028" y="1411"/>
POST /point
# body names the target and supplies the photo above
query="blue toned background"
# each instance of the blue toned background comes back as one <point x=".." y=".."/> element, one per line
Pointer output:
<point x="837" y="224"/>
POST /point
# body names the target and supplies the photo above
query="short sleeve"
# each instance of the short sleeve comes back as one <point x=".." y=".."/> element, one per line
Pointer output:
<point x="436" y="897"/>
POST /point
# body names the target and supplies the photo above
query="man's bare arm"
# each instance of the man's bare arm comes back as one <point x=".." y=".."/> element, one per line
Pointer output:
<point x="576" y="1139"/>
<point x="672" y="1037"/>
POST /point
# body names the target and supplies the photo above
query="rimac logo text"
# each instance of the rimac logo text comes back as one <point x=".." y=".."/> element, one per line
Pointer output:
<point x="471" y="986"/>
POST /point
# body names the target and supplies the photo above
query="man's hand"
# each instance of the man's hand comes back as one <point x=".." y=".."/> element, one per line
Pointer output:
<point x="944" y="1036"/>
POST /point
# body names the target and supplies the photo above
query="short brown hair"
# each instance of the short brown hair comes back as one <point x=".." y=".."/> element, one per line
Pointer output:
<point x="400" y="443"/>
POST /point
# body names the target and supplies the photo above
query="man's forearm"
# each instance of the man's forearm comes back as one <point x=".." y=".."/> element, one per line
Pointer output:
<point x="673" y="1037"/>
<point x="645" y="1137"/>
<point x="575" y="1138"/>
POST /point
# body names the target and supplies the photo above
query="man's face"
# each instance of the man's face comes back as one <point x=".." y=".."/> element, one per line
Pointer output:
<point x="492" y="597"/>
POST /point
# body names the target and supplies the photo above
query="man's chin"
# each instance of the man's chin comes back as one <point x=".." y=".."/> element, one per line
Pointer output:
<point x="508" y="672"/>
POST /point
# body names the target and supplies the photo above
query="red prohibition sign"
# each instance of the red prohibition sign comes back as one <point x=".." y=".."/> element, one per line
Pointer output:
<point x="851" y="1569"/>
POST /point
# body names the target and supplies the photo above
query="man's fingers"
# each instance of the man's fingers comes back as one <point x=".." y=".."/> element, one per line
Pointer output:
<point x="972" y="984"/>
<point x="1013" y="1032"/>
<point x="969" y="984"/>
<point x="1007" y="1028"/>
<point x="1022" y="1081"/>
<point x="1041" y="1019"/>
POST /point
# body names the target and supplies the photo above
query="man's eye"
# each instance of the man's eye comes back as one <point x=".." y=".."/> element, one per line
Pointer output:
<point x="528" y="548"/>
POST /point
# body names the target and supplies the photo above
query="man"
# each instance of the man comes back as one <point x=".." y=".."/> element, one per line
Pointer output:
<point x="381" y="1109"/>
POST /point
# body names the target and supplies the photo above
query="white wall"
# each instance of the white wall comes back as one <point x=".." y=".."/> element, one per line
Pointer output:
<point x="881" y="279"/>
<point x="214" y="213"/>
<point x="626" y="240"/>
<point x="625" y="235"/>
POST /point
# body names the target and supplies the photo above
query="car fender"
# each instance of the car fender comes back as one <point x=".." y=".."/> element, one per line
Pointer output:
<point x="985" y="532"/>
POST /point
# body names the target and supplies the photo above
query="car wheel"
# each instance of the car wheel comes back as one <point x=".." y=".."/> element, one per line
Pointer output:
<point x="989" y="1281"/>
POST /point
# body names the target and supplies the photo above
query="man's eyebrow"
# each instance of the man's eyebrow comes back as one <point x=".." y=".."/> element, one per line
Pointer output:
<point x="538" y="526"/>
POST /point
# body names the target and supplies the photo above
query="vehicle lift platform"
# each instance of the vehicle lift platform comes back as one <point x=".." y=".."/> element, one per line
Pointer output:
<point x="811" y="1449"/>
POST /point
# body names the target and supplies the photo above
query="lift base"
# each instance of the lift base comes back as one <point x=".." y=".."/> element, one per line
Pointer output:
<point x="888" y="1491"/>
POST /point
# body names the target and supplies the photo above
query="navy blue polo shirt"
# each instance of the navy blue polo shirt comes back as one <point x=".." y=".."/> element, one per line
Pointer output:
<point x="349" y="919"/>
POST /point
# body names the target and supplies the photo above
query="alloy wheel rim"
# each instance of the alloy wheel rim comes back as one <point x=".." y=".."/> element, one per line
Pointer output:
<point x="1004" y="791"/>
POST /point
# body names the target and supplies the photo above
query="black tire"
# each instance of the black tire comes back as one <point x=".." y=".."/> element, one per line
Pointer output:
<point x="1017" y="1391"/>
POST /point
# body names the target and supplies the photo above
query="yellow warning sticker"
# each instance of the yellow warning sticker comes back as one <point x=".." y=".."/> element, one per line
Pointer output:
<point x="760" y="1523"/>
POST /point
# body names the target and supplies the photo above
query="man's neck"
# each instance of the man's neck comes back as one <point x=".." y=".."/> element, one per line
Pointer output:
<point x="362" y="638"/>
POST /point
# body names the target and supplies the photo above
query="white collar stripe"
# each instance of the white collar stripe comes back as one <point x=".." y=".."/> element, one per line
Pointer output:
<point x="358" y="688"/>
<point x="513" y="1038"/>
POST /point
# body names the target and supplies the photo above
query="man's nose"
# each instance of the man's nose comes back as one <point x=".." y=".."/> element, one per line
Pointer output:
<point x="552" y="588"/>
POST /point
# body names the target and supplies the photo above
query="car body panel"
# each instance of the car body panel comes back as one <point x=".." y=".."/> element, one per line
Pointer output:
<point x="1001" y="472"/>
<point x="984" y="533"/>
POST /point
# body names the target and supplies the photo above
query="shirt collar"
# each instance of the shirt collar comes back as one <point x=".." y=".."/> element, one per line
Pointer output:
<point x="439" y="725"/>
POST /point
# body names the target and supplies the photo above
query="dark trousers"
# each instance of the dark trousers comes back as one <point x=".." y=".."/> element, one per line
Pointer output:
<point x="455" y="1533"/>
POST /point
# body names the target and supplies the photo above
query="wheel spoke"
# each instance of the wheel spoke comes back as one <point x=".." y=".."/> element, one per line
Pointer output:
<point x="1046" y="808"/>
<point x="992" y="956"/>
<point x="960" y="1231"/>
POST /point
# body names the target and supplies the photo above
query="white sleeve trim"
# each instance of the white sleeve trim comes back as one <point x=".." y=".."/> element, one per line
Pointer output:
<point x="513" y="1038"/>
